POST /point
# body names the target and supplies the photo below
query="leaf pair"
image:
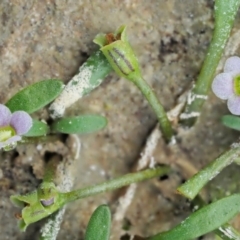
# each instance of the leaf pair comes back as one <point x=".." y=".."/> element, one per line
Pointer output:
<point x="38" y="95"/>
<point x="69" y="125"/>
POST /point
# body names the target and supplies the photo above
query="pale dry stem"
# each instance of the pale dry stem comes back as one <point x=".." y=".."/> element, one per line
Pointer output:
<point x="147" y="160"/>
<point x="65" y="182"/>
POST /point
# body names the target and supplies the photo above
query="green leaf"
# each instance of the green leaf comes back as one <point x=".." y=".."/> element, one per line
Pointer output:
<point x="38" y="129"/>
<point x="231" y="122"/>
<point x="204" y="220"/>
<point x="99" y="224"/>
<point x="191" y="188"/>
<point x="100" y="68"/>
<point x="80" y="124"/>
<point x="91" y="74"/>
<point x="35" y="96"/>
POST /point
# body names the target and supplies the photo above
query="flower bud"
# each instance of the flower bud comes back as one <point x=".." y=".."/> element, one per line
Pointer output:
<point x="119" y="53"/>
<point x="37" y="204"/>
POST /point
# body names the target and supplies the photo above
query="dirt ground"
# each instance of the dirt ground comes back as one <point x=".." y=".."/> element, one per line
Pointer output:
<point x="51" y="39"/>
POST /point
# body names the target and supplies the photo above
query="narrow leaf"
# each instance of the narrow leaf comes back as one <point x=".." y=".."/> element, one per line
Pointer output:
<point x="80" y="124"/>
<point x="35" y="96"/>
<point x="204" y="220"/>
<point x="192" y="187"/>
<point x="231" y="121"/>
<point x="99" y="224"/>
<point x="38" y="129"/>
<point x="100" y="69"/>
<point x="91" y="75"/>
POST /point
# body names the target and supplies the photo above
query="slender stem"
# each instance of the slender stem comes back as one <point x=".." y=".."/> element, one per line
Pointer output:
<point x="115" y="183"/>
<point x="156" y="106"/>
<point x="50" y="170"/>
<point x="192" y="187"/>
<point x="42" y="139"/>
<point x="225" y="12"/>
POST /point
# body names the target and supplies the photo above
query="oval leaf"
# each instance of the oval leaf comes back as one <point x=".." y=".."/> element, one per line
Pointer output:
<point x="80" y="124"/>
<point x="99" y="224"/>
<point x="38" y="129"/>
<point x="204" y="220"/>
<point x="100" y="68"/>
<point x="35" y="96"/>
<point x="231" y="121"/>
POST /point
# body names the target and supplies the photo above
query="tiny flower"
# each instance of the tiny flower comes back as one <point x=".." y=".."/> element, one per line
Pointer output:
<point x="12" y="126"/>
<point x="119" y="53"/>
<point x="226" y="85"/>
<point x="37" y="204"/>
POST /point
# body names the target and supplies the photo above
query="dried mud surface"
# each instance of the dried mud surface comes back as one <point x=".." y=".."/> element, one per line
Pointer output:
<point x="51" y="39"/>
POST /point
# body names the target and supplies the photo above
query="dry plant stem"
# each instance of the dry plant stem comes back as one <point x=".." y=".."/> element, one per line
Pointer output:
<point x="142" y="163"/>
<point x="51" y="228"/>
<point x="146" y="157"/>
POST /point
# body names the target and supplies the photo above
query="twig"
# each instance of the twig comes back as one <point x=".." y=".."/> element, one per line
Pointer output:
<point x="143" y="162"/>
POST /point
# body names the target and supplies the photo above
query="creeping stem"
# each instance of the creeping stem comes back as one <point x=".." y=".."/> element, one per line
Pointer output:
<point x="115" y="183"/>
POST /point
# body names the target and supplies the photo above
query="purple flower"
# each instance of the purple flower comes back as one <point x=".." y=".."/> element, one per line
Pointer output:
<point x="226" y="85"/>
<point x="13" y="125"/>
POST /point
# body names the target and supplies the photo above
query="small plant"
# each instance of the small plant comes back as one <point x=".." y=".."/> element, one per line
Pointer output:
<point x="47" y="199"/>
<point x="18" y="127"/>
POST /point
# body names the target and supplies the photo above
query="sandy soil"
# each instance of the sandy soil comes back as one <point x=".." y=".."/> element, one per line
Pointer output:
<point x="51" y="39"/>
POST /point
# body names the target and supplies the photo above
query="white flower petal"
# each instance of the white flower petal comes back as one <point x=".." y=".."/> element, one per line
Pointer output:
<point x="222" y="85"/>
<point x="232" y="64"/>
<point x="233" y="104"/>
